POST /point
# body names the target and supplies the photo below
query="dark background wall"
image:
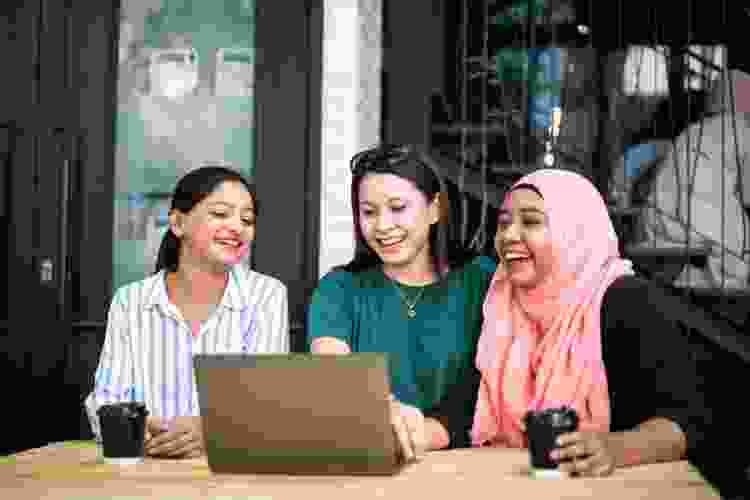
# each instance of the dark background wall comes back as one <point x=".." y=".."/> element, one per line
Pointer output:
<point x="57" y="109"/>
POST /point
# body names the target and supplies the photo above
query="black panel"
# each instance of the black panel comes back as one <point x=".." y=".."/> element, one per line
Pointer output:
<point x="287" y="169"/>
<point x="94" y="73"/>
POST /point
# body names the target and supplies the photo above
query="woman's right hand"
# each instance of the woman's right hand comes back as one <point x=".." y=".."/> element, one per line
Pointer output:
<point x="409" y="427"/>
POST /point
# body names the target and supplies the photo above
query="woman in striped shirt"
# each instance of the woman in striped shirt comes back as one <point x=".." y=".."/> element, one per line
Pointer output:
<point x="203" y="298"/>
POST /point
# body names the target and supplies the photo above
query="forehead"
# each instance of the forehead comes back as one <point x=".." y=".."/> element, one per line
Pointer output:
<point x="523" y="198"/>
<point x="380" y="187"/>
<point x="231" y="193"/>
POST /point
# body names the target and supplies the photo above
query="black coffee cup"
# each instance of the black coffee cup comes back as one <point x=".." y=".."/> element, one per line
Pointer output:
<point x="123" y="429"/>
<point x="542" y="428"/>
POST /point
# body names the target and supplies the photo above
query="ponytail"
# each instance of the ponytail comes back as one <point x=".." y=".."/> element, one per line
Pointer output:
<point x="169" y="252"/>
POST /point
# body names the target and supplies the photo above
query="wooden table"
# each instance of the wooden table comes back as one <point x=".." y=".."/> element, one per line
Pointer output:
<point x="73" y="470"/>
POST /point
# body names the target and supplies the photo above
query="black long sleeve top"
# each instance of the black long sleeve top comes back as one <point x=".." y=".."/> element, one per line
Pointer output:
<point x="648" y="358"/>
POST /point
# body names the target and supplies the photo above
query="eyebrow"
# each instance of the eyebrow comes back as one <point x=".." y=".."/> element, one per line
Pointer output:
<point x="248" y="208"/>
<point x="395" y="198"/>
<point x="522" y="210"/>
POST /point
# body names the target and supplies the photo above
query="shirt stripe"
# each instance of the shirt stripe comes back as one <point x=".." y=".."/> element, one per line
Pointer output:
<point x="148" y="348"/>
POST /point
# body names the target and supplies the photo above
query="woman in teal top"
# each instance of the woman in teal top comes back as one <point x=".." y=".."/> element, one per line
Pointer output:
<point x="410" y="291"/>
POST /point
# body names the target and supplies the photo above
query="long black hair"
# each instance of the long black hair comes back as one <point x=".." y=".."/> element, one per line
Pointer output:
<point x="416" y="166"/>
<point x="190" y="191"/>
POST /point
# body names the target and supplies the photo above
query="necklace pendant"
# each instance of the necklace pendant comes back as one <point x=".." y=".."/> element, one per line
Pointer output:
<point x="412" y="313"/>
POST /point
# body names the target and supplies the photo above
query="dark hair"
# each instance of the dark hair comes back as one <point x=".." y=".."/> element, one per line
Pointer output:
<point x="416" y="166"/>
<point x="190" y="191"/>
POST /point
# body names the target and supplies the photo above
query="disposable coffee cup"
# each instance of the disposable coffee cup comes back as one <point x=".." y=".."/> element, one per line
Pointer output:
<point x="123" y="429"/>
<point x="543" y="428"/>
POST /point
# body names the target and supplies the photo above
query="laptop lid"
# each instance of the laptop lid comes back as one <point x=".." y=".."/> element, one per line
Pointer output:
<point x="296" y="413"/>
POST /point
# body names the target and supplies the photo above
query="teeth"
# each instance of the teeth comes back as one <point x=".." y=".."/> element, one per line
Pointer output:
<point x="390" y="242"/>
<point x="510" y="256"/>
<point x="230" y="242"/>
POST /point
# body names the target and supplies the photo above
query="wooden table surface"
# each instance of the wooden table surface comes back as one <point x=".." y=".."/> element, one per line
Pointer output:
<point x="74" y="470"/>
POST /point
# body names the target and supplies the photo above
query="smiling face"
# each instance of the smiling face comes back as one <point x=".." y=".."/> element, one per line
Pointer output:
<point x="522" y="242"/>
<point x="216" y="232"/>
<point x="395" y="219"/>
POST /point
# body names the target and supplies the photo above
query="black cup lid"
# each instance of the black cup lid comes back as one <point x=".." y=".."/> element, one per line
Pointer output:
<point x="562" y="416"/>
<point x="125" y="409"/>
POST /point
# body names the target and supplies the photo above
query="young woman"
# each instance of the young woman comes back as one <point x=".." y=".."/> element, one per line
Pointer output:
<point x="201" y="299"/>
<point x="567" y="323"/>
<point x="409" y="291"/>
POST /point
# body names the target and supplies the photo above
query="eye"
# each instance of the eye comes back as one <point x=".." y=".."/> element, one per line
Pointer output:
<point x="398" y="208"/>
<point x="221" y="215"/>
<point x="532" y="222"/>
<point x="367" y="212"/>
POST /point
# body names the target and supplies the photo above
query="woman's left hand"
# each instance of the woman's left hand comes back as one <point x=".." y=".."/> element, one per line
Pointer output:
<point x="180" y="437"/>
<point x="587" y="453"/>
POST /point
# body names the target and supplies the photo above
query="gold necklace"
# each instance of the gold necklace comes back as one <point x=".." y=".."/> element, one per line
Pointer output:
<point x="410" y="307"/>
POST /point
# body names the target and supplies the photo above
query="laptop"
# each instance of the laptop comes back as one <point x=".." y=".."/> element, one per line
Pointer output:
<point x="297" y="414"/>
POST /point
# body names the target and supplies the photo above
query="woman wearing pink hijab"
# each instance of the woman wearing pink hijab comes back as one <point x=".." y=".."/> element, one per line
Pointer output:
<point x="566" y="322"/>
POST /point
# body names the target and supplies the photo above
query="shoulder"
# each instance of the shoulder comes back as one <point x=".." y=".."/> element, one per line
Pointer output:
<point x="340" y="280"/>
<point x="255" y="285"/>
<point x="485" y="265"/>
<point x="637" y="304"/>
<point x="634" y="293"/>
<point x="481" y="266"/>
<point x="474" y="275"/>
<point x="139" y="292"/>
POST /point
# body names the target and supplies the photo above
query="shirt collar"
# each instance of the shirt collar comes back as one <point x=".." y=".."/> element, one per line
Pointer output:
<point x="234" y="296"/>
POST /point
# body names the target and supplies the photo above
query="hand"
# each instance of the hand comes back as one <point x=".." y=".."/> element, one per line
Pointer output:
<point x="179" y="437"/>
<point x="409" y="426"/>
<point x="586" y="453"/>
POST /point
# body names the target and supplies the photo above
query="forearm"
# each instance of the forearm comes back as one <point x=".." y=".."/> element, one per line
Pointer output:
<point x="655" y="440"/>
<point x="437" y="435"/>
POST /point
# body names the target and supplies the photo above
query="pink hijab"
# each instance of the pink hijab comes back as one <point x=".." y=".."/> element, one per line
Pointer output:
<point x="541" y="348"/>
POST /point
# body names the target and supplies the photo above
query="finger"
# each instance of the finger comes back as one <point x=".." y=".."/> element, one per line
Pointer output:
<point x="173" y="446"/>
<point x="569" y="438"/>
<point x="402" y="434"/>
<point x="163" y="439"/>
<point x="185" y="449"/>
<point x="575" y="450"/>
<point x="582" y="467"/>
<point x="603" y="470"/>
<point x="417" y="431"/>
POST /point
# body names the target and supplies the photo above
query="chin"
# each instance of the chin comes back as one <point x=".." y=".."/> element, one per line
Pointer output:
<point x="523" y="281"/>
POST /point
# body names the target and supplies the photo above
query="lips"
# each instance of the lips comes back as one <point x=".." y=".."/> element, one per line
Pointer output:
<point x="230" y="243"/>
<point x="515" y="256"/>
<point x="390" y="245"/>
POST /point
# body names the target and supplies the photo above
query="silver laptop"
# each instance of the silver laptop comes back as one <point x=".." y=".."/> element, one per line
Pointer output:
<point x="297" y="414"/>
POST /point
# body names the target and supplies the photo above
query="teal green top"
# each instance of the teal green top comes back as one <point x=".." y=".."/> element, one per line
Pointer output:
<point x="426" y="353"/>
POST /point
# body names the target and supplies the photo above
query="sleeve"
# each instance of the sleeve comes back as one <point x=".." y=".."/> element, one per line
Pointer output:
<point x="113" y="379"/>
<point x="272" y="327"/>
<point x="331" y="309"/>
<point x="456" y="411"/>
<point x="663" y="380"/>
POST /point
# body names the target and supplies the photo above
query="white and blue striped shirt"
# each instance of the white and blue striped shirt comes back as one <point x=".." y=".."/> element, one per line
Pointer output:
<point x="148" y="348"/>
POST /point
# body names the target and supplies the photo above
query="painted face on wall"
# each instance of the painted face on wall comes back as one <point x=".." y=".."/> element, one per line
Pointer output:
<point x="395" y="219"/>
<point x="522" y="241"/>
<point x="218" y="231"/>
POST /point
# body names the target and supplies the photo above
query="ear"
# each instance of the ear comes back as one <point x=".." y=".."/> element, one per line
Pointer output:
<point x="175" y="223"/>
<point x="436" y="208"/>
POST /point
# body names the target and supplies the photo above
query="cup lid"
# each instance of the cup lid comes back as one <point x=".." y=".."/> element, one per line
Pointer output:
<point x="562" y="416"/>
<point x="126" y="409"/>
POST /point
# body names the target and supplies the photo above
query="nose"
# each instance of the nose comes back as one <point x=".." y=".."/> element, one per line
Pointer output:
<point x="384" y="221"/>
<point x="507" y="234"/>
<point x="235" y="224"/>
